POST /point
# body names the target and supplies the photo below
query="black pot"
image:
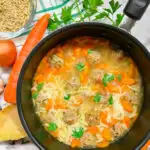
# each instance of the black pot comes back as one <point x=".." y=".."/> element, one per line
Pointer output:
<point x="139" y="132"/>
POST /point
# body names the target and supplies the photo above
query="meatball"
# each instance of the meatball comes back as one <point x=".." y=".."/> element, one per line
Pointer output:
<point x="94" y="57"/>
<point x="97" y="75"/>
<point x="88" y="139"/>
<point x="118" y="130"/>
<point x="70" y="116"/>
<point x="92" y="118"/>
<point x="133" y="97"/>
<point x="56" y="61"/>
<point x="73" y="82"/>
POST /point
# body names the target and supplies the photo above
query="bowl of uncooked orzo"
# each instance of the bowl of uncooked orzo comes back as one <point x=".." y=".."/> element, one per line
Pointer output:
<point x="15" y="17"/>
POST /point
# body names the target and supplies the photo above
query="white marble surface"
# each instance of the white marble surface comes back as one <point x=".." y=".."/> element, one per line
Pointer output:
<point x="141" y="31"/>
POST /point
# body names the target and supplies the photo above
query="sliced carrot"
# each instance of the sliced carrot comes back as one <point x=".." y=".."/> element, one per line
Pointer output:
<point x="93" y="130"/>
<point x="60" y="106"/>
<point x="39" y="78"/>
<point x="114" y="121"/>
<point x="102" y="66"/>
<point x="127" y="105"/>
<point x="113" y="88"/>
<point x="49" y="104"/>
<point x="84" y="52"/>
<point x="77" y="52"/>
<point x="128" y="81"/>
<point x="107" y="135"/>
<point x="54" y="133"/>
<point x="78" y="102"/>
<point x="124" y="88"/>
<point x="84" y="74"/>
<point x="127" y="121"/>
<point x="103" y="117"/>
<point x="75" y="143"/>
<point x="103" y="144"/>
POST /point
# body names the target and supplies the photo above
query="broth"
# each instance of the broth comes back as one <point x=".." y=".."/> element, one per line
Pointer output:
<point x="86" y="92"/>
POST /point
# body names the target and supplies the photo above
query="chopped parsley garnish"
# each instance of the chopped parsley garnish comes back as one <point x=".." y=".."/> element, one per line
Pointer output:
<point x="111" y="100"/>
<point x="119" y="77"/>
<point x="52" y="126"/>
<point x="67" y="97"/>
<point x="35" y="95"/>
<point x="39" y="86"/>
<point x="80" y="66"/>
<point x="78" y="133"/>
<point x="107" y="78"/>
<point x="97" y="98"/>
<point x="90" y="51"/>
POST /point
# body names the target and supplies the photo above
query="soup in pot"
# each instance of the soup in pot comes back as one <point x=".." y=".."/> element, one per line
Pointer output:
<point x="87" y="92"/>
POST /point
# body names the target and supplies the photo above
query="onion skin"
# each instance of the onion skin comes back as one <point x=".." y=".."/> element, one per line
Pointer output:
<point x="8" y="53"/>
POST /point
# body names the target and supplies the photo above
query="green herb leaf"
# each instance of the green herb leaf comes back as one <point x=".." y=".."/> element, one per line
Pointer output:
<point x="101" y="15"/>
<point x="52" y="126"/>
<point x="97" y="98"/>
<point x="92" y="4"/>
<point x="80" y="66"/>
<point x="66" y="15"/>
<point x="107" y="78"/>
<point x="78" y="133"/>
<point x="119" y="77"/>
<point x="108" y="10"/>
<point x="90" y="51"/>
<point x="111" y="100"/>
<point x="114" y="5"/>
<point x="35" y="95"/>
<point x="119" y="19"/>
<point x="67" y="97"/>
<point x="39" y="86"/>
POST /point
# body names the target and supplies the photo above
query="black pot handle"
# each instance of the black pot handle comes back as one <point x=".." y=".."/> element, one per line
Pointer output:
<point x="136" y="8"/>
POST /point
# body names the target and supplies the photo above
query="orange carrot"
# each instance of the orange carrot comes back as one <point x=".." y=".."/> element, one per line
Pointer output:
<point x="54" y="133"/>
<point x="93" y="130"/>
<point x="102" y="66"/>
<point x="39" y="78"/>
<point x="103" y="117"/>
<point x="107" y="135"/>
<point x="75" y="143"/>
<point x="126" y="121"/>
<point x="84" y="74"/>
<point x="113" y="88"/>
<point x="127" y="106"/>
<point x="34" y="37"/>
<point x="84" y="52"/>
<point x="49" y="104"/>
<point x="77" y="52"/>
<point x="102" y="144"/>
<point x="128" y="81"/>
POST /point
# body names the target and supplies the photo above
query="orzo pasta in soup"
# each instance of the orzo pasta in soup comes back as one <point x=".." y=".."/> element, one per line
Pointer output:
<point x="86" y="92"/>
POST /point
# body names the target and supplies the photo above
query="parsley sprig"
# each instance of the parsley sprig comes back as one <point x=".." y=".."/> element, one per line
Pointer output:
<point x="78" y="133"/>
<point x="91" y="10"/>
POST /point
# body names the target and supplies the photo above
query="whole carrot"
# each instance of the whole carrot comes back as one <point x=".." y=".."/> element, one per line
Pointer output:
<point x="34" y="37"/>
